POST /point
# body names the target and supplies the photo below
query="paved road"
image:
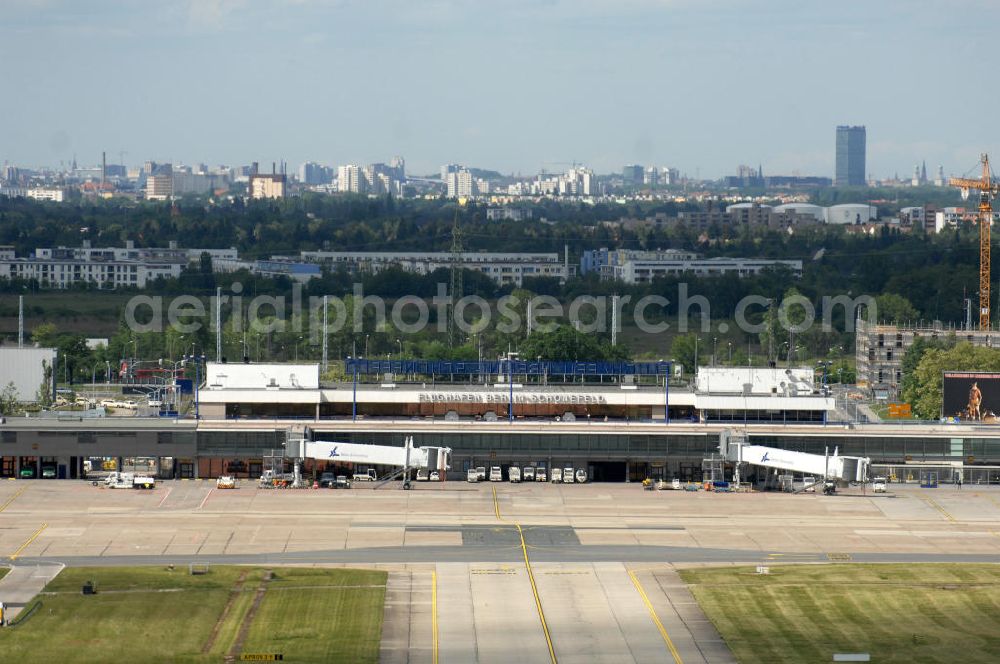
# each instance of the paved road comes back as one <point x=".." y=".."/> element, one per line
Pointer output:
<point x="23" y="582"/>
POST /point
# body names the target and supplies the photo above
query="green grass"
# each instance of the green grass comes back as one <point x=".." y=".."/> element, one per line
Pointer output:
<point x="150" y="614"/>
<point x="3" y="571"/>
<point x="897" y="613"/>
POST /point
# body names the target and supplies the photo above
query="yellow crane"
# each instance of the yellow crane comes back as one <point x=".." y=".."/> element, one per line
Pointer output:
<point x="988" y="188"/>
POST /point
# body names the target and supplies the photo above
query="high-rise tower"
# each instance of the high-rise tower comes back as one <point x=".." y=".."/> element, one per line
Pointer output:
<point x="850" y="157"/>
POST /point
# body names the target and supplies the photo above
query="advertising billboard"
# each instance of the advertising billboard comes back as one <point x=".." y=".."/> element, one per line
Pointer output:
<point x="971" y="396"/>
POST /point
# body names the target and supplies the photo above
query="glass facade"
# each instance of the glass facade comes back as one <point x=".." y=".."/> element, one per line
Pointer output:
<point x="850" y="157"/>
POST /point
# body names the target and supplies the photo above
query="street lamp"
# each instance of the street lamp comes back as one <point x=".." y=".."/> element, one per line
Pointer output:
<point x="366" y="346"/>
<point x="715" y="349"/>
<point x="730" y="352"/>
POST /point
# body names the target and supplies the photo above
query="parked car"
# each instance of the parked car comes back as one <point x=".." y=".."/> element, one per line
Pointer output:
<point x="341" y="482"/>
<point x="581" y="476"/>
<point x="48" y="472"/>
<point x="27" y="473"/>
<point x="435" y="476"/>
<point x="327" y="479"/>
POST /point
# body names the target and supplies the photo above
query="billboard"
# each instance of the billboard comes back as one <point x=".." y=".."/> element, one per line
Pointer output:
<point x="972" y="396"/>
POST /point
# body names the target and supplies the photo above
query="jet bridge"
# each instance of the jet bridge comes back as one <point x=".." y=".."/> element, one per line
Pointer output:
<point x="836" y="468"/>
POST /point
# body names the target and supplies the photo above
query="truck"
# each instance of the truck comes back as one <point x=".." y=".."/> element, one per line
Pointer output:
<point x="514" y="474"/>
<point x="879" y="484"/>
<point x="496" y="474"/>
<point x="481" y="473"/>
<point x="472" y="475"/>
<point x="117" y="480"/>
<point x="556" y="475"/>
<point x="541" y="475"/>
<point x="567" y="475"/>
<point x="528" y="474"/>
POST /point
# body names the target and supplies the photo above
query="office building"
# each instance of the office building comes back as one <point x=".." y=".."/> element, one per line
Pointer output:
<point x="633" y="175"/>
<point x="850" y="157"/>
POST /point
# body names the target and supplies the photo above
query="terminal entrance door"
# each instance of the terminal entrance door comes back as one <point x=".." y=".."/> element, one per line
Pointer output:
<point x="607" y="471"/>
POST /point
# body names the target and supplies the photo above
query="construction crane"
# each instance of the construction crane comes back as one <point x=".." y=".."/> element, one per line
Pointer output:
<point x="988" y="188"/>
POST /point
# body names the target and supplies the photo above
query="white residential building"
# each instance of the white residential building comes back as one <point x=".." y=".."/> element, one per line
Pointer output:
<point x="350" y="179"/>
<point x="639" y="271"/>
<point x="460" y="184"/>
<point x="504" y="268"/>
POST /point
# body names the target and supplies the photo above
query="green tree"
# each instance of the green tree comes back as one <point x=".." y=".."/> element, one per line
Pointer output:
<point x="8" y="399"/>
<point x="682" y="350"/>
<point x="893" y="307"/>
<point x="929" y="375"/>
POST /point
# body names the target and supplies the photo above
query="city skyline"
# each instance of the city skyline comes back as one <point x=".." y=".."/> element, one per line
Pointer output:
<point x="700" y="87"/>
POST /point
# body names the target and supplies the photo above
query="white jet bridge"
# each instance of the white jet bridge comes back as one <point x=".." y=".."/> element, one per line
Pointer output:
<point x="830" y="468"/>
<point x="402" y="458"/>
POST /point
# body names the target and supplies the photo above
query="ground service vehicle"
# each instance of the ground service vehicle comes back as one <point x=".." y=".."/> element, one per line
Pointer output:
<point x="435" y="476"/>
<point x="556" y="475"/>
<point x="496" y="475"/>
<point x="327" y="479"/>
<point x="225" y="482"/>
<point x="567" y="475"/>
<point x="581" y="476"/>
<point x="879" y="485"/>
<point x="422" y="475"/>
<point x="514" y="474"/>
<point x="117" y="480"/>
<point x="541" y="475"/>
<point x="341" y="482"/>
<point x="481" y="472"/>
<point x="366" y="476"/>
<point x="528" y="474"/>
<point x="472" y="475"/>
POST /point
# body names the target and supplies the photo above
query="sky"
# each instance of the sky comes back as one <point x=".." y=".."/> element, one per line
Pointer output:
<point x="512" y="85"/>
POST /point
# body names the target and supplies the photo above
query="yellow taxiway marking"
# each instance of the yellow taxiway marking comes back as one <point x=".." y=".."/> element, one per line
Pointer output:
<point x="531" y="579"/>
<point x="434" y="616"/>
<point x="29" y="541"/>
<point x="13" y="498"/>
<point x="933" y="503"/>
<point x="656" y="619"/>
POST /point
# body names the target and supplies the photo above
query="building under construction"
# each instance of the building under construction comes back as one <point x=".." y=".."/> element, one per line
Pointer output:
<point x="880" y="349"/>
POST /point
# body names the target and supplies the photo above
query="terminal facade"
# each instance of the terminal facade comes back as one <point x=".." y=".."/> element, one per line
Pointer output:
<point x="619" y="421"/>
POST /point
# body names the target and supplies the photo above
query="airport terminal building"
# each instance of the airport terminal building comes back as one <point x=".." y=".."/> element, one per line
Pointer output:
<point x="620" y="421"/>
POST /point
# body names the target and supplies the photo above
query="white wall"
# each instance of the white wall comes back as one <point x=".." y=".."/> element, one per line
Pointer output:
<point x="762" y="380"/>
<point x="259" y="376"/>
<point x="24" y="367"/>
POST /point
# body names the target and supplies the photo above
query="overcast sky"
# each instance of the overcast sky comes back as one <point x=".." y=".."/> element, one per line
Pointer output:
<point x="515" y="85"/>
